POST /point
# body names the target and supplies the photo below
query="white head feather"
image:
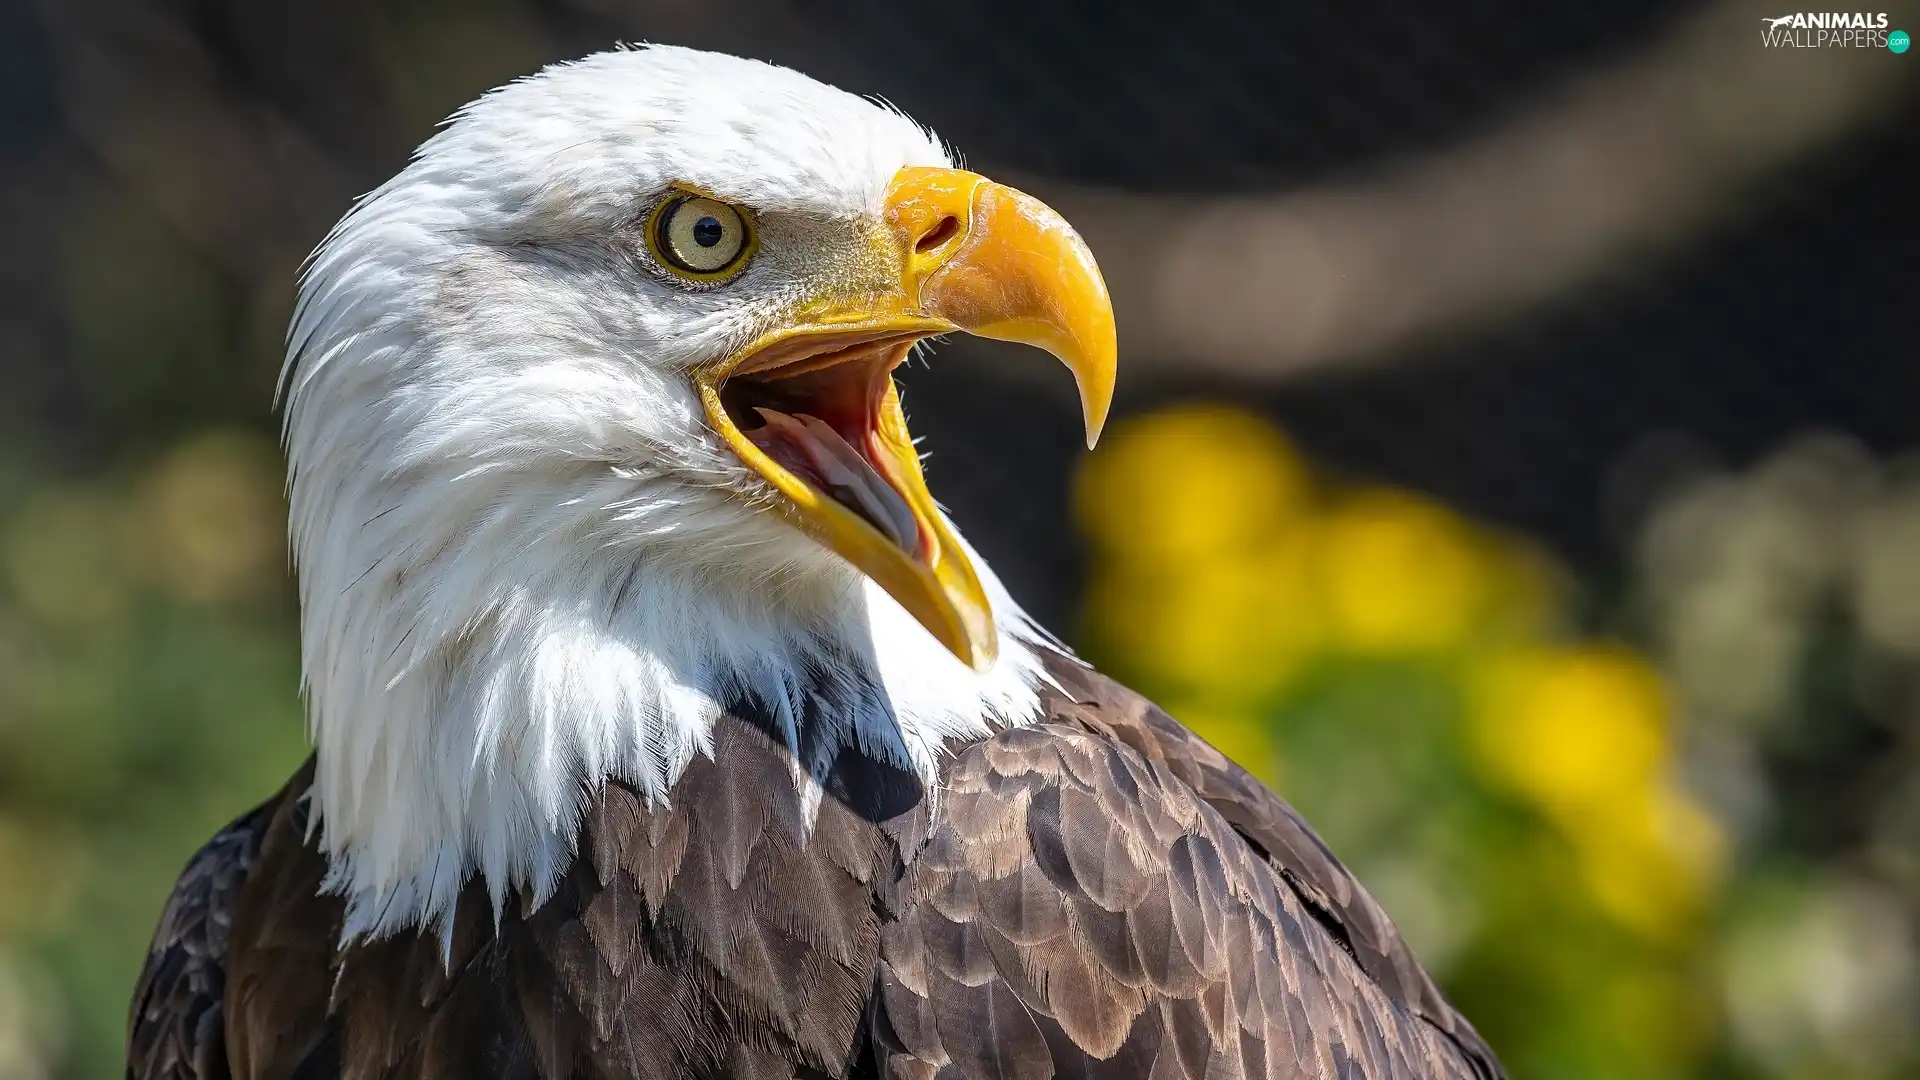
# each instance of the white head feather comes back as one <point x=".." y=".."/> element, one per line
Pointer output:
<point x="526" y="562"/>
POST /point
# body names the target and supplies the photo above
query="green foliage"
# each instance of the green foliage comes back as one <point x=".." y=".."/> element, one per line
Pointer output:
<point x="148" y="694"/>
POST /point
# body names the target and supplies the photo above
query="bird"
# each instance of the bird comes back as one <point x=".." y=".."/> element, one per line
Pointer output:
<point x="663" y="724"/>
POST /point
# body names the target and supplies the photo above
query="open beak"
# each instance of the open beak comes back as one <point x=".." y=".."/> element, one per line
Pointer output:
<point x="811" y="406"/>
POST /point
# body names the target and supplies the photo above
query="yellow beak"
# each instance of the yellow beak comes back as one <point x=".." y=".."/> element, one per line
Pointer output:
<point x="974" y="256"/>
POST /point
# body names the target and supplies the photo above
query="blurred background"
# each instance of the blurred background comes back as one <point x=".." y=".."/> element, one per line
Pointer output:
<point x="1516" y="462"/>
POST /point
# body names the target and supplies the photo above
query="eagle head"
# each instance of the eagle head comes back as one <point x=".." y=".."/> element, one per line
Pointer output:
<point x="592" y="434"/>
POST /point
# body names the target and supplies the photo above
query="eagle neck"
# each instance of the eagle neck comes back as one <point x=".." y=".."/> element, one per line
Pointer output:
<point x="482" y="762"/>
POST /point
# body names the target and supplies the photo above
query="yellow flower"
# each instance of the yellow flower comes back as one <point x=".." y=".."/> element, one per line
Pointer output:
<point x="1582" y="732"/>
<point x="1575" y="729"/>
<point x="1233" y="629"/>
<point x="1651" y="862"/>
<point x="1400" y="574"/>
<point x="1188" y="482"/>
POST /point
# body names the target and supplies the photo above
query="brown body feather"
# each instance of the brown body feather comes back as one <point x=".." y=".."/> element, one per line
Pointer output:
<point x="1100" y="894"/>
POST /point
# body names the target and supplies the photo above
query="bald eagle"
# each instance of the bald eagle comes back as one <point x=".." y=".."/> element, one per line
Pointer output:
<point x="664" y="726"/>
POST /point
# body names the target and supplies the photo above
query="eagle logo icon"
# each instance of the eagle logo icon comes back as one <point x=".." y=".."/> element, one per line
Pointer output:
<point x="1774" y="24"/>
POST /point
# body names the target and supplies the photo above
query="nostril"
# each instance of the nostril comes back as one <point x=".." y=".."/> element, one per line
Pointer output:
<point x="941" y="232"/>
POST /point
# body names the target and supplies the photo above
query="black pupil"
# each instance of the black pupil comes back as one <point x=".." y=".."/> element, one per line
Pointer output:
<point x="708" y="231"/>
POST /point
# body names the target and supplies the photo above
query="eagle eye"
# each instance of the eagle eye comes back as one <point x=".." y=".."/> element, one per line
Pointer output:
<point x="700" y="239"/>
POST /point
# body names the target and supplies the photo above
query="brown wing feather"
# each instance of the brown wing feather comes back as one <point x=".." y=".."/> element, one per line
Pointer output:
<point x="716" y="935"/>
<point x="278" y="971"/>
<point x="1277" y="831"/>
<point x="1104" y="895"/>
<point x="177" y="1030"/>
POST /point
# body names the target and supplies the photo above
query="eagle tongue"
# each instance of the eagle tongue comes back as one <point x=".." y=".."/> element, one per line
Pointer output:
<point x="811" y="449"/>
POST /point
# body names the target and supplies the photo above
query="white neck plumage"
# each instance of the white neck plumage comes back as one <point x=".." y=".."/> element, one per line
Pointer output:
<point x="477" y="752"/>
<point x="489" y="635"/>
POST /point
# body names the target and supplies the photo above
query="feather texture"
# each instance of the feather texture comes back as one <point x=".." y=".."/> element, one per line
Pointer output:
<point x="1097" y="893"/>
